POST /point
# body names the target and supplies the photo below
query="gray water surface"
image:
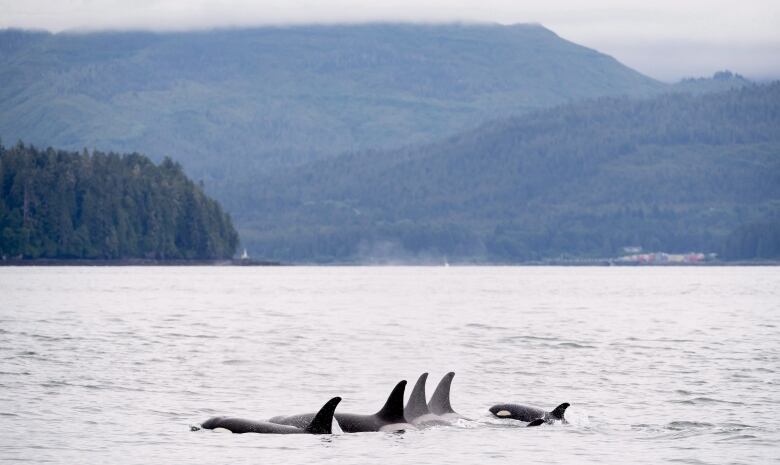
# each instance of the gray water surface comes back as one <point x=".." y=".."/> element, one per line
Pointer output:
<point x="113" y="365"/>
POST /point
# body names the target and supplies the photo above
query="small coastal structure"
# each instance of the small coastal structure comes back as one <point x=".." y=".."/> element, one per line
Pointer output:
<point x="662" y="258"/>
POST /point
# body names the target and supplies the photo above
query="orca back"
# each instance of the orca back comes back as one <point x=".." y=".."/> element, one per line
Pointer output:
<point x="391" y="413"/>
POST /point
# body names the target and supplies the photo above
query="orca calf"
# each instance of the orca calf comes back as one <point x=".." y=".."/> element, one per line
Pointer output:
<point x="440" y="401"/>
<point x="320" y="423"/>
<point x="417" y="411"/>
<point x="533" y="415"/>
<point x="388" y="418"/>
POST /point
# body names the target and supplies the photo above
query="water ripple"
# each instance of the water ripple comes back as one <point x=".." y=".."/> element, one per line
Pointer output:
<point x="660" y="365"/>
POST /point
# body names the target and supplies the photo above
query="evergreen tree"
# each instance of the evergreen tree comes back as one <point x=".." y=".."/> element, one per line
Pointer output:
<point x="57" y="204"/>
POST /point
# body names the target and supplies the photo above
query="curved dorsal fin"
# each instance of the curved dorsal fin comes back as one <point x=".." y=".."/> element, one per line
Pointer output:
<point x="416" y="407"/>
<point x="323" y="420"/>
<point x="393" y="410"/>
<point x="559" y="411"/>
<point x="440" y="401"/>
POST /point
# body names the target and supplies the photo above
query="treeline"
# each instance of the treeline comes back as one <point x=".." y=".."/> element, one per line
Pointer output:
<point x="756" y="240"/>
<point x="675" y="173"/>
<point x="59" y="204"/>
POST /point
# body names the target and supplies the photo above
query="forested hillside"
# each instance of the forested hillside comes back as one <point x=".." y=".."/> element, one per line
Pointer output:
<point x="58" y="204"/>
<point x="230" y="105"/>
<point x="243" y="109"/>
<point x="674" y="173"/>
<point x="721" y="81"/>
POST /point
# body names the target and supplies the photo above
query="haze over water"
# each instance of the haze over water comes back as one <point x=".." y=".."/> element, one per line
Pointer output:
<point x="113" y="365"/>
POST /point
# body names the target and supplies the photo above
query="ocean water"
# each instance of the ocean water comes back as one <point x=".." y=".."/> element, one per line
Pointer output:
<point x="113" y="365"/>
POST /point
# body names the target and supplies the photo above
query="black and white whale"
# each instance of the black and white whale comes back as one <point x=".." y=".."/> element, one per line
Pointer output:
<point x="417" y="411"/>
<point x="388" y="418"/>
<point x="533" y="415"/>
<point x="440" y="401"/>
<point x="320" y="423"/>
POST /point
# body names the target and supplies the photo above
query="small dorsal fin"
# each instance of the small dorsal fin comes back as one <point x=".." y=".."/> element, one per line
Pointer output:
<point x="393" y="410"/>
<point x="323" y="420"/>
<point x="440" y="401"/>
<point x="416" y="407"/>
<point x="536" y="422"/>
<point x="558" y="412"/>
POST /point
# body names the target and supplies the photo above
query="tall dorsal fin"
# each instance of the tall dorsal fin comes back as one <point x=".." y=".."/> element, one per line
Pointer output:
<point x="558" y="412"/>
<point x="416" y="407"/>
<point x="440" y="401"/>
<point x="323" y="420"/>
<point x="393" y="410"/>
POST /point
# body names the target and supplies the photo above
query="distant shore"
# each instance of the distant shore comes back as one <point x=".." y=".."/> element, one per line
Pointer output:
<point x="133" y="262"/>
<point x="710" y="263"/>
<point x="239" y="262"/>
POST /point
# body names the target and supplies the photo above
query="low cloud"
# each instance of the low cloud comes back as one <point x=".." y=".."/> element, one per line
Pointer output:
<point x="666" y="39"/>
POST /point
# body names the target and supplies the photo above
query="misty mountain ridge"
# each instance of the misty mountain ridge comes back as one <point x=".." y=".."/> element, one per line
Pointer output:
<point x="263" y="115"/>
<point x="677" y="173"/>
<point x="225" y="103"/>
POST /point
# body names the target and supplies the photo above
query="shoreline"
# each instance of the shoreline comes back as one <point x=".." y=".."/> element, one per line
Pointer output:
<point x="49" y="262"/>
<point x="133" y="262"/>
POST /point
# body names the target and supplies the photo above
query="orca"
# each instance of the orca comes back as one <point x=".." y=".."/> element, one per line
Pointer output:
<point x="440" y="401"/>
<point x="389" y="418"/>
<point x="416" y="411"/>
<point x="319" y="424"/>
<point x="533" y="415"/>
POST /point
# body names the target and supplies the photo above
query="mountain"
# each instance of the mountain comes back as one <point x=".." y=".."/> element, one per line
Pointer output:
<point x="677" y="173"/>
<point x="231" y="105"/>
<point x="59" y="204"/>
<point x="243" y="109"/>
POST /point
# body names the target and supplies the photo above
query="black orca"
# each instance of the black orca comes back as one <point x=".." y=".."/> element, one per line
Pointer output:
<point x="417" y="411"/>
<point x="535" y="416"/>
<point x="440" y="401"/>
<point x="388" y="418"/>
<point x="319" y="424"/>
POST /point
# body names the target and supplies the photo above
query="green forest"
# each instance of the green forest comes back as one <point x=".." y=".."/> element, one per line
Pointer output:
<point x="60" y="204"/>
<point x="674" y="173"/>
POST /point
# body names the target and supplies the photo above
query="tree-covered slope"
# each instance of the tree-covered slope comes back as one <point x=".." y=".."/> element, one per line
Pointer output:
<point x="721" y="81"/>
<point x="232" y="104"/>
<point x="58" y="204"/>
<point x="674" y="173"/>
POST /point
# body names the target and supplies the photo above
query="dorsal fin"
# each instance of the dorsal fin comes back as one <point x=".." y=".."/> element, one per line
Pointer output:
<point x="416" y="407"/>
<point x="393" y="410"/>
<point x="323" y="420"/>
<point x="559" y="411"/>
<point x="440" y="401"/>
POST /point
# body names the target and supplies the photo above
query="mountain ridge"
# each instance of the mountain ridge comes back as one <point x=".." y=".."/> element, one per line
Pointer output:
<point x="675" y="173"/>
<point x="226" y="101"/>
<point x="238" y="105"/>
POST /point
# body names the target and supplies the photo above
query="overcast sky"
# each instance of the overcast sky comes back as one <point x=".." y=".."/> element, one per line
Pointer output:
<point x="666" y="39"/>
